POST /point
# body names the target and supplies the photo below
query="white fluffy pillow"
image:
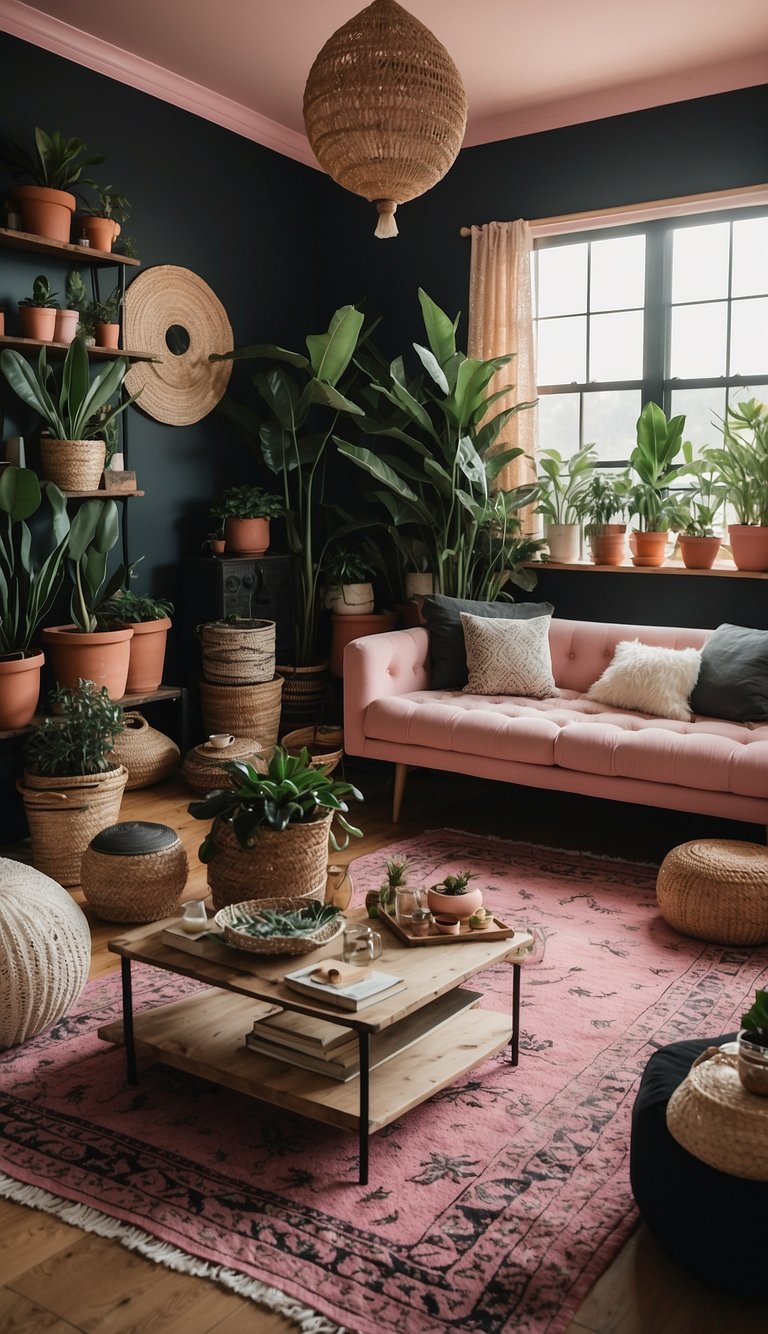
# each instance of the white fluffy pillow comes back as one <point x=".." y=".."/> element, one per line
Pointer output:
<point x="508" y="657"/>
<point x="649" y="679"/>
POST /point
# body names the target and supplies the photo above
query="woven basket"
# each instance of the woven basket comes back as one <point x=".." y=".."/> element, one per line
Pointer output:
<point x="203" y="767"/>
<point x="250" y="711"/>
<point x="275" y="944"/>
<point x="716" y="889"/>
<point x="64" y="814"/>
<point x="147" y="754"/>
<point x="716" y="1120"/>
<point x="292" y="862"/>
<point x="325" y="745"/>
<point x="122" y="884"/>
<point x="240" y="653"/>
<point x="74" y="465"/>
<point x="304" y="694"/>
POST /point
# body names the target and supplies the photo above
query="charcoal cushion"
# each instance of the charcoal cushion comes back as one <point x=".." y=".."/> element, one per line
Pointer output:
<point x="733" y="680"/>
<point x="446" y="635"/>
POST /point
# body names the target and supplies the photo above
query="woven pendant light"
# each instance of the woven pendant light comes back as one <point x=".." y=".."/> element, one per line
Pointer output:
<point x="385" y="109"/>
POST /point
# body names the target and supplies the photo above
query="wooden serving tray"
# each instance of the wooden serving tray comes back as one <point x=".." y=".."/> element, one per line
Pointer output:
<point x="498" y="931"/>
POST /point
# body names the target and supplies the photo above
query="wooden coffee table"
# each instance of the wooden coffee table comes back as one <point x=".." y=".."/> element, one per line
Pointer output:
<point x="432" y="1025"/>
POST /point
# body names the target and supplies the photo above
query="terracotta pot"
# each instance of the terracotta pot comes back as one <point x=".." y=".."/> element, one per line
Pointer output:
<point x="74" y="465"/>
<point x="455" y="905"/>
<point x="350" y="599"/>
<point x="38" y="322"/>
<point x="564" y="542"/>
<point x="648" y="548"/>
<point x="147" y="655"/>
<point x="346" y="628"/>
<point x="107" y="335"/>
<point x="607" y="544"/>
<point x="749" y="544"/>
<point x="246" y="537"/>
<point x="218" y="546"/>
<point x="45" y="212"/>
<point x="66" y="325"/>
<point x="699" y="553"/>
<point x="19" y="690"/>
<point x="101" y="232"/>
<point x="101" y="657"/>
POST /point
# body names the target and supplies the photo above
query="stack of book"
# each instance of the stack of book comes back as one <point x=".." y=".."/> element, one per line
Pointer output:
<point x="313" y="1044"/>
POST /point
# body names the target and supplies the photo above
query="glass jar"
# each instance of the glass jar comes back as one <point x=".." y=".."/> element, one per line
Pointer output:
<point x="407" y="899"/>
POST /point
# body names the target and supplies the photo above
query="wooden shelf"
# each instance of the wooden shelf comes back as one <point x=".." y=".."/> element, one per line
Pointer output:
<point x="43" y="245"/>
<point x="101" y="495"/>
<point x="723" y="570"/>
<point x="126" y="702"/>
<point x="61" y="349"/>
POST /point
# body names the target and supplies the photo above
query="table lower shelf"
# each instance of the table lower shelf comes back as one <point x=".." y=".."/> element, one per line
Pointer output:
<point x="204" y="1036"/>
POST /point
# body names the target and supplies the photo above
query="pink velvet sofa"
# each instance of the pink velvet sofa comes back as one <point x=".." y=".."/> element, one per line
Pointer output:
<point x="569" y="743"/>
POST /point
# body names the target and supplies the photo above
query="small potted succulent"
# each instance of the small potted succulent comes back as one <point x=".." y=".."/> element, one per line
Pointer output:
<point x="38" y="311"/>
<point x="245" y="512"/>
<point x="753" y="1046"/>
<point x="100" y="222"/>
<point x="105" y="317"/>
<point x="452" y="896"/>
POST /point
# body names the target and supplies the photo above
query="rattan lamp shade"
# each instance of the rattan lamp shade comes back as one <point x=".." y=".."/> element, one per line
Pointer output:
<point x="385" y="109"/>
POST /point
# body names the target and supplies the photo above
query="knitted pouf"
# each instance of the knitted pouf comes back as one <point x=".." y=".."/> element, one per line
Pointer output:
<point x="45" y="952"/>
<point x="716" y="889"/>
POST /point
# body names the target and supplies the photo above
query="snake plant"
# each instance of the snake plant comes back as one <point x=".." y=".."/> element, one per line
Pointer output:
<point x="68" y="400"/>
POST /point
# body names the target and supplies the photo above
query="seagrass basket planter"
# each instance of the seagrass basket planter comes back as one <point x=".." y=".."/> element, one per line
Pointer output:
<point x="148" y="755"/>
<point x="237" y="653"/>
<point x="134" y="872"/>
<point x="289" y="863"/>
<point x="204" y="766"/>
<point x="324" y="743"/>
<point x="64" y="814"/>
<point x="74" y="465"/>
<point x="244" y="711"/>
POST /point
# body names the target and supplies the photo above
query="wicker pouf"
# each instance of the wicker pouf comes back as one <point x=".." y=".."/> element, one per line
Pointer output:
<point x="203" y="766"/>
<point x="45" y="952"/>
<point x="134" y="872"/>
<point x="716" y="889"/>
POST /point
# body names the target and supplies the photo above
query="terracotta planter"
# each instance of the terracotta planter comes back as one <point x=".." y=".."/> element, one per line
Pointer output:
<point x="101" y="657"/>
<point x="38" y="322"/>
<point x="45" y="212"/>
<point x="64" y="814"/>
<point x="749" y="544"/>
<point x="455" y="905"/>
<point x="648" y="548"/>
<point x="218" y="546"/>
<point x="147" y="655"/>
<point x="101" y="232"/>
<point x="66" y="326"/>
<point x="246" y="537"/>
<point x="350" y="599"/>
<point x="74" y="465"/>
<point x="346" y="628"/>
<point x="19" y="690"/>
<point x="107" y="335"/>
<point x="608" y="544"/>
<point x="699" y="553"/>
<point x="564" y="542"/>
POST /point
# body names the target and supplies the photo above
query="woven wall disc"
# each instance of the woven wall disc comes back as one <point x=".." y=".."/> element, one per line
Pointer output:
<point x="174" y="314"/>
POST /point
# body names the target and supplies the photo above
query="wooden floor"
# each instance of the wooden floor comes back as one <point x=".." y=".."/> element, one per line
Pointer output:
<point x="54" y="1277"/>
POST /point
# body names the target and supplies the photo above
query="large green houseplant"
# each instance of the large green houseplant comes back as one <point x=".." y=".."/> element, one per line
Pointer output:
<point x="654" y="465"/>
<point x="741" y="467"/>
<point x="53" y="165"/>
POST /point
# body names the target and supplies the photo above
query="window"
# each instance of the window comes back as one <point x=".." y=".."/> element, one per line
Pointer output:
<point x="674" y="310"/>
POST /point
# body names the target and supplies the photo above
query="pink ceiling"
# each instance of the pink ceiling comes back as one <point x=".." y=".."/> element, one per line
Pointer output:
<point x="527" y="64"/>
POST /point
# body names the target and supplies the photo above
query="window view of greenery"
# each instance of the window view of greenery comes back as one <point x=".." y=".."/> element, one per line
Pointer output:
<point x="673" y="311"/>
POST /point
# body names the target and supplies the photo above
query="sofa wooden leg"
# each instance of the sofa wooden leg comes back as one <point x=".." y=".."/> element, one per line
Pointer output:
<point x="401" y="773"/>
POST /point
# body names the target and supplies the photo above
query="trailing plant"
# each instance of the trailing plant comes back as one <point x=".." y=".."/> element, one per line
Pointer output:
<point x="269" y="922"/>
<point x="290" y="792"/>
<point x="740" y="464"/>
<point x="755" y="1021"/>
<point x="78" y="740"/>
<point x="94" y="532"/>
<point x="125" y="245"/>
<point x="31" y="559"/>
<point x="109" y="205"/>
<point x="248" y="502"/>
<point x="68" y="399"/>
<point x="659" y="442"/>
<point x="42" y="297"/>
<point x="54" y="162"/>
<point x="563" y="483"/>
<point x="455" y="885"/>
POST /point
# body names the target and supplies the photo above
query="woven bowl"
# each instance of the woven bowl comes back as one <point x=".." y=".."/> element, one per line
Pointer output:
<point x="325" y="745"/>
<point x="225" y="917"/>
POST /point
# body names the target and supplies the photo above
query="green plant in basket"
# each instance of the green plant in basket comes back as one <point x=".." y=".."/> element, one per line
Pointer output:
<point x="270" y="922"/>
<point x="79" y="740"/>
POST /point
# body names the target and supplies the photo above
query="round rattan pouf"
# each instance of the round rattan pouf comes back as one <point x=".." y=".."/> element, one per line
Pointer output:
<point x="45" y="952"/>
<point x="134" y="872"/>
<point x="716" y="889"/>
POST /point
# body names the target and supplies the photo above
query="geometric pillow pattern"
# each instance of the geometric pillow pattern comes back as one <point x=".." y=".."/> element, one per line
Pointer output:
<point x="508" y="657"/>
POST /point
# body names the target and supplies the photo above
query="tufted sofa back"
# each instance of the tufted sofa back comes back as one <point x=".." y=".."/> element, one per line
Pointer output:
<point x="581" y="650"/>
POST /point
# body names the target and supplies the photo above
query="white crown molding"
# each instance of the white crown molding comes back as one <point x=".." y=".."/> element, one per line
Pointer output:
<point x="32" y="25"/>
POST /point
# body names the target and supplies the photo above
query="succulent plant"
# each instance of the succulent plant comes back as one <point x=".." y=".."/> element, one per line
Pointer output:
<point x="397" y="871"/>
<point x="455" y="884"/>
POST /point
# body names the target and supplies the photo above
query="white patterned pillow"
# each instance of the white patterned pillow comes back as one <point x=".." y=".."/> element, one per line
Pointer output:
<point x="508" y="657"/>
<point x="650" y="679"/>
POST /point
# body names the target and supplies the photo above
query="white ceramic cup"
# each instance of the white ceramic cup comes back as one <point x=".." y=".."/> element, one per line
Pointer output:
<point x="221" y="740"/>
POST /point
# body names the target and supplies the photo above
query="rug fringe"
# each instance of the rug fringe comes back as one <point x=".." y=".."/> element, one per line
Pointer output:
<point x="134" y="1239"/>
<point x="541" y="847"/>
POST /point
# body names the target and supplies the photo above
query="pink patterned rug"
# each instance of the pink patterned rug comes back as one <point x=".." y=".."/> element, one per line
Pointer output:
<point x="493" y="1207"/>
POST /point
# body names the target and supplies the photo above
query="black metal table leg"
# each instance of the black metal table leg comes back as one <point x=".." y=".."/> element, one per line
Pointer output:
<point x="514" y="1041"/>
<point x="128" y="1037"/>
<point x="364" y="1051"/>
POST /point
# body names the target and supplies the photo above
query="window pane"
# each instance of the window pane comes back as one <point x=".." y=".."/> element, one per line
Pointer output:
<point x="562" y="350"/>
<point x="558" y="422"/>
<point x="610" y="421"/>
<point x="749" y="337"/>
<point x="698" y="341"/>
<point x="700" y="262"/>
<point x="616" y="346"/>
<point x="703" y="410"/>
<point x="750" y="257"/>
<point x="617" y="277"/>
<point x="563" y="280"/>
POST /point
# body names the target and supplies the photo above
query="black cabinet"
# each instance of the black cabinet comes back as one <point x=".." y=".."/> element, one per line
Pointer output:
<point x="257" y="588"/>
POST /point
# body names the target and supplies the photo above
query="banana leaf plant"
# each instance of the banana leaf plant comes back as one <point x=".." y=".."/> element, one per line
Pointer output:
<point x="659" y="442"/>
<point x="31" y="567"/>
<point x="436" y="484"/>
<point x="94" y="532"/>
<point x="70" y="402"/>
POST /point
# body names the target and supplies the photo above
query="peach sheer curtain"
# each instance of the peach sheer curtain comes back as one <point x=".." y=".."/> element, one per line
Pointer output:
<point x="501" y="321"/>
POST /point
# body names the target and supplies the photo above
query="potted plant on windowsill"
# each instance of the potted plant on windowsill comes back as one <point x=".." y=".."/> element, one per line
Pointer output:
<point x="652" y="461"/>
<point x="605" y="501"/>
<point x="38" y="312"/>
<point x="563" y="483"/>
<point x="245" y="512"/>
<point x="740" y="465"/>
<point x="31" y="571"/>
<point x="150" y="620"/>
<point x="100" y="222"/>
<point x="698" y="542"/>
<point x="53" y="167"/>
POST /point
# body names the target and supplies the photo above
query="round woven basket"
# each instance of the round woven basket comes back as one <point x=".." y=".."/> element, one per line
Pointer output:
<point x="134" y="872"/>
<point x="292" y="862"/>
<point x="716" y="1120"/>
<point x="716" y="889"/>
<point x="74" y="465"/>
<point x="64" y="814"/>
<point x="227" y="917"/>
<point x="325" y="745"/>
<point x="203" y="767"/>
<point x="304" y="694"/>
<point x="148" y="755"/>
<point x="238" y="654"/>
<point x="244" y="711"/>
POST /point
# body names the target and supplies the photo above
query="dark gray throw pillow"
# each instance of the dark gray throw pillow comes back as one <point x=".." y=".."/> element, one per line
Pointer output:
<point x="446" y="635"/>
<point x="733" y="681"/>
